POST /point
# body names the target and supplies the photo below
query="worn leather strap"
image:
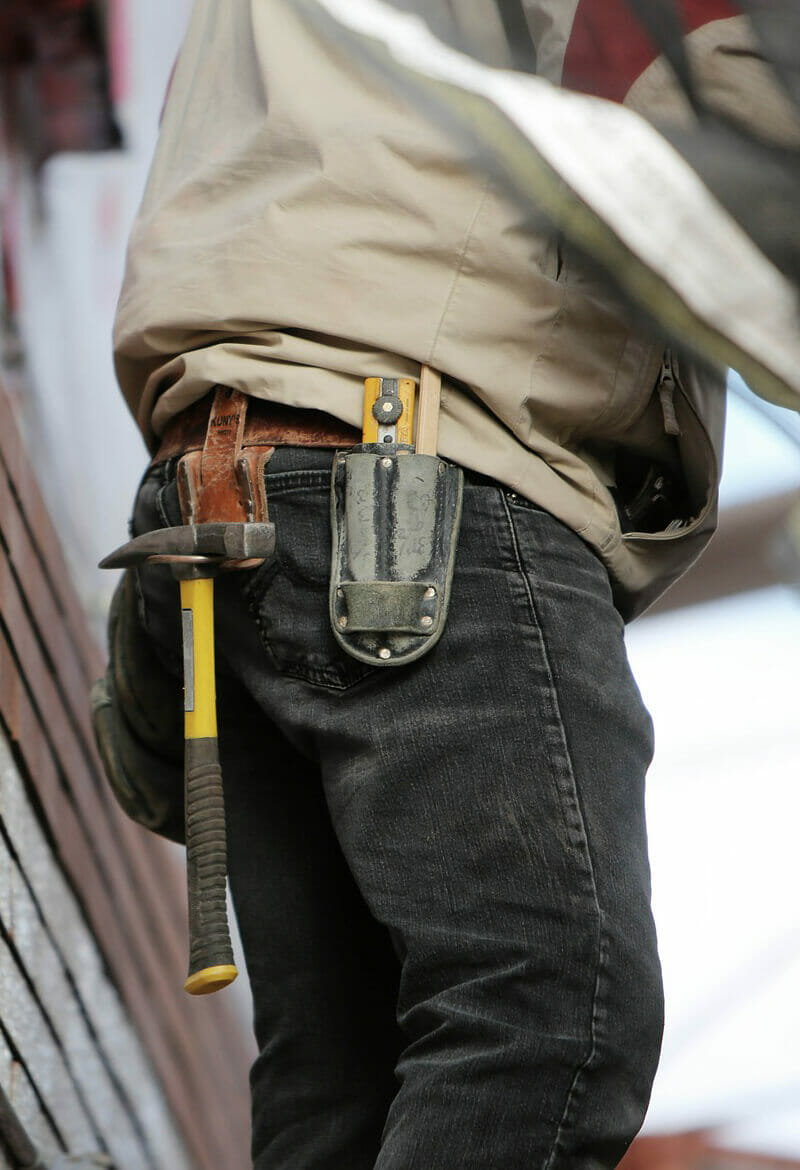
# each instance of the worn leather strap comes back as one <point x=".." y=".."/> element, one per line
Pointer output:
<point x="267" y="424"/>
<point x="212" y="484"/>
<point x="223" y="443"/>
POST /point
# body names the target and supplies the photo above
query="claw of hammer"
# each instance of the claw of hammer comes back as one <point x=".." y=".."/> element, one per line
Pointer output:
<point x="216" y="541"/>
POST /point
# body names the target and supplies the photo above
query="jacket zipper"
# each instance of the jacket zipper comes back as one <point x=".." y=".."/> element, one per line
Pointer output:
<point x="666" y="394"/>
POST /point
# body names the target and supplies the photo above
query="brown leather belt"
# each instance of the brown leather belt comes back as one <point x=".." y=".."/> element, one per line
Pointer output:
<point x="267" y="424"/>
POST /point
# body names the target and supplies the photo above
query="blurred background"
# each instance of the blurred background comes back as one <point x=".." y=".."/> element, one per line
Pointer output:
<point x="716" y="660"/>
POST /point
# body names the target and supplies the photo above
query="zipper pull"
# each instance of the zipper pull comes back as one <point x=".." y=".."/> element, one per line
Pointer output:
<point x="666" y="393"/>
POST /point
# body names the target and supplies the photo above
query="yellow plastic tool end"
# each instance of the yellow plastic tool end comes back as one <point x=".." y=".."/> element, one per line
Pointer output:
<point x="373" y="388"/>
<point x="210" y="979"/>
<point x="369" y="428"/>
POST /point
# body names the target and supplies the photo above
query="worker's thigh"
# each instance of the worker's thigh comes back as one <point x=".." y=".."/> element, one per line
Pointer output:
<point x="488" y="803"/>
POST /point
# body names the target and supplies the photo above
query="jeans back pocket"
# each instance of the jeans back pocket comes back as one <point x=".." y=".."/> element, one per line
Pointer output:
<point x="288" y="596"/>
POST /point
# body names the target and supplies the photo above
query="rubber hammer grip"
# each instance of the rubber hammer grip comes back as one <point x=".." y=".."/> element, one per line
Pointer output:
<point x="210" y="953"/>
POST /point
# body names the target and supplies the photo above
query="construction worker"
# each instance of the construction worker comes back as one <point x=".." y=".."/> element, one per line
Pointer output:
<point x="437" y="858"/>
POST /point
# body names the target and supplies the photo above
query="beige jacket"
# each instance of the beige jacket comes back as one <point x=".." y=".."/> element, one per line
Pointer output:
<point x="303" y="229"/>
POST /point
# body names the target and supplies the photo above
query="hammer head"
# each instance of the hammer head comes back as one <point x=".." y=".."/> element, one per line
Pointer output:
<point x="215" y="542"/>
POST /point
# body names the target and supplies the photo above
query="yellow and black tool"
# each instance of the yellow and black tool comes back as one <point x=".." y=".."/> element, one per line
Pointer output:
<point x="395" y="514"/>
<point x="211" y="965"/>
<point x="389" y="411"/>
<point x="195" y="553"/>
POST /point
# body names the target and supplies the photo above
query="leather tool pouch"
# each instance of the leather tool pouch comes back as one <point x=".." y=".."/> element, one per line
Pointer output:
<point x="395" y="520"/>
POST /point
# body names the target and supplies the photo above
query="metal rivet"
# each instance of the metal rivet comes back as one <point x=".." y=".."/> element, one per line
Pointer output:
<point x="384" y="653"/>
<point x="387" y="462"/>
<point x="387" y="408"/>
<point x="430" y="592"/>
<point x="342" y="622"/>
<point x="340" y="592"/>
<point x="426" y="621"/>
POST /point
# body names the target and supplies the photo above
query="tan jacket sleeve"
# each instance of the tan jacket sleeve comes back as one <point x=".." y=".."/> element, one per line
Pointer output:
<point x="599" y="47"/>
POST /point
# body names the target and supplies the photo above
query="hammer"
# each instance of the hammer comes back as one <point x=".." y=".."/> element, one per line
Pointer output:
<point x="196" y="553"/>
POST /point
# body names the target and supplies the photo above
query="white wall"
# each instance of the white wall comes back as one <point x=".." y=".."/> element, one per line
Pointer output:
<point x="70" y="1061"/>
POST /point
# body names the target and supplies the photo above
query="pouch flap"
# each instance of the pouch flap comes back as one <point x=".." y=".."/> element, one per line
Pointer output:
<point x="408" y="607"/>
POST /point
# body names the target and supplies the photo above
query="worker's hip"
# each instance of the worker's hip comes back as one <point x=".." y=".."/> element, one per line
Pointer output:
<point x="513" y="559"/>
<point x="395" y="506"/>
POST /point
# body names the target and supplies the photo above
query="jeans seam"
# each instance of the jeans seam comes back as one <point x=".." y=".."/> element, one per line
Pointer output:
<point x="573" y="1096"/>
<point x="575" y="1086"/>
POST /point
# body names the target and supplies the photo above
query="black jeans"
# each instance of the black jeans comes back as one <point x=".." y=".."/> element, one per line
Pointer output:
<point x="439" y="871"/>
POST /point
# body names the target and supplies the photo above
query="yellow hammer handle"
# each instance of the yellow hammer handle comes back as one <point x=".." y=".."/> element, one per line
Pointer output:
<point x="211" y="965"/>
<point x="200" y="693"/>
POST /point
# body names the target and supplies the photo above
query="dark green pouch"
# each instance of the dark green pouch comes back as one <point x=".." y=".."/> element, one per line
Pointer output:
<point x="137" y="714"/>
<point x="395" y="521"/>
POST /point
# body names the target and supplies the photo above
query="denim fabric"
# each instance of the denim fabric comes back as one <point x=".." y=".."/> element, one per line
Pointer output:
<point x="440" y="871"/>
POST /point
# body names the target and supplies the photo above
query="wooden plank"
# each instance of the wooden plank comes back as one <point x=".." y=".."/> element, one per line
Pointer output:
<point x="23" y="559"/>
<point x="58" y="652"/>
<point x="206" y="1114"/>
<point x="78" y="953"/>
<point x="72" y="740"/>
<point x="430" y="395"/>
<point x="23" y="568"/>
<point x="106" y="858"/>
<point x="6" y="1061"/>
<point x="79" y="763"/>
<point x="68" y="1019"/>
<point x="20" y="1092"/>
<point x="22" y="565"/>
<point x="37" y="672"/>
<point x="13" y="455"/>
<point x="157" y="1031"/>
<point x="138" y="892"/>
<point x="33" y="1043"/>
<point x="6" y="872"/>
